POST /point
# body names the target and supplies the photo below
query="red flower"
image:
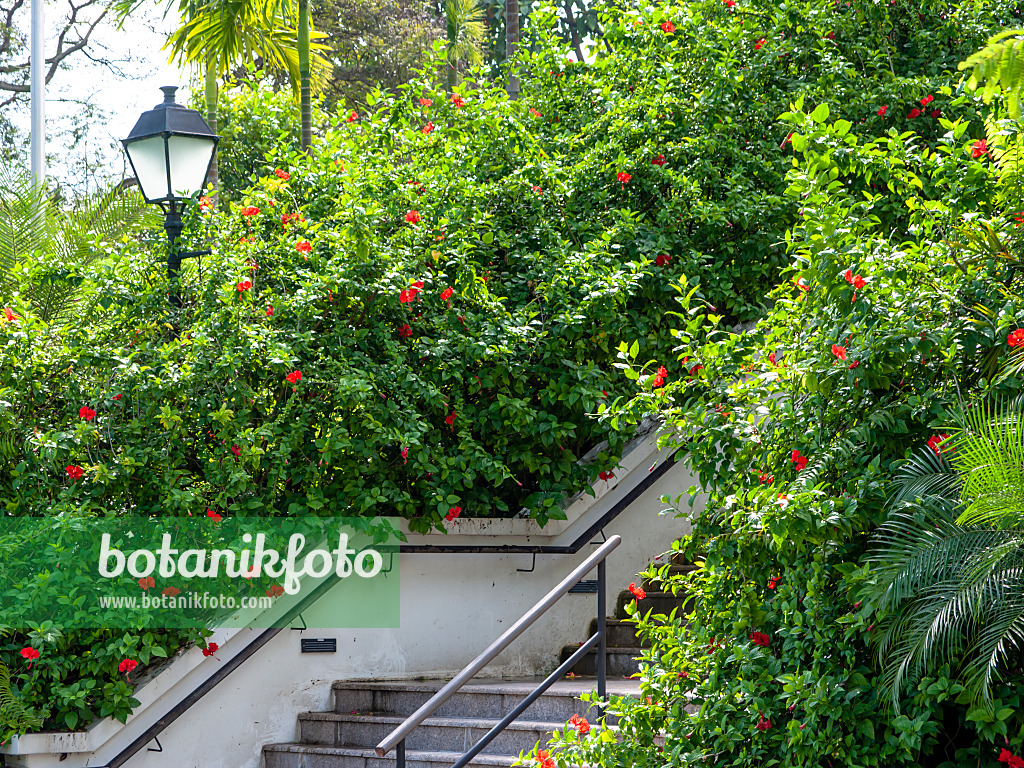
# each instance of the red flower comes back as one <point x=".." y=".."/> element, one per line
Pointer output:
<point x="250" y="210"/>
<point x="405" y="331"/>
<point x="658" y="160"/>
<point x="730" y="3"/>
<point x="413" y="217"/>
<point x="980" y="149"/>
<point x="127" y="666"/>
<point x="764" y="477"/>
<point x="927" y="100"/>
<point x="853" y="365"/>
<point x="537" y="189"/>
<point x="210" y="649"/>
<point x="798" y="460"/>
<point x="936" y="113"/>
<point x="276" y="590"/>
<point x="915" y="112"/>
<point x="426" y="102"/>
<point x="303" y="246"/>
<point x="30" y="655"/>
<point x="662" y="260"/>
<point x="659" y="377"/>
<point x="668" y="27"/>
<point x="623" y="177"/>
<point x="427" y="128"/>
<point x="1016" y="338"/>
<point x="801" y="283"/>
<point x="580" y="724"/>
<point x="294" y="377"/>
<point x="87" y="413"/>
<point x="458" y="101"/>
<point x="171" y="592"/>
<point x="73" y="472"/>
<point x="405" y="454"/>
<point x="284" y="175"/>
<point x="934" y="442"/>
<point x="606" y="475"/>
<point x="213" y="515"/>
<point x="544" y="760"/>
<point x="1015" y="762"/>
<point x="243" y="285"/>
<point x="453" y="512"/>
<point x="831" y="35"/>
<point x="759" y="44"/>
<point x="446" y="293"/>
<point x="286" y="217"/>
<point x="881" y="110"/>
<point x="1005" y="755"/>
<point x="636" y="591"/>
<point x="773" y="582"/>
<point x="771" y="358"/>
<point x="118" y="396"/>
<point x="763" y="724"/>
<point x="353" y="116"/>
<point x="407" y="296"/>
<point x="839" y="351"/>
<point x="270" y="310"/>
<point x="760" y="639"/>
<point x="534" y="112"/>
<point x="450" y="419"/>
<point x="205" y="204"/>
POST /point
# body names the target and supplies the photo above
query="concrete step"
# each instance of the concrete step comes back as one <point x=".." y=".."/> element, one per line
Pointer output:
<point x="621" y="634"/>
<point x="485" y="699"/>
<point x="435" y="734"/>
<point x="655" y="602"/>
<point x="621" y="661"/>
<point x="312" y="756"/>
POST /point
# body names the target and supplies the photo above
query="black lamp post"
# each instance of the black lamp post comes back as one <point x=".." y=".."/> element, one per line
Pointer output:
<point x="170" y="149"/>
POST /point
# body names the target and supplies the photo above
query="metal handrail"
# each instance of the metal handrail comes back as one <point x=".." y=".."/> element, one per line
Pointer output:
<point x="398" y="736"/>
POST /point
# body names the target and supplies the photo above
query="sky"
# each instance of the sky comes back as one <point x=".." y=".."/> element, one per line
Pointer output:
<point x="117" y="94"/>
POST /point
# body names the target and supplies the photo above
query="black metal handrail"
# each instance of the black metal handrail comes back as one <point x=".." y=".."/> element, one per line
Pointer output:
<point x="396" y="739"/>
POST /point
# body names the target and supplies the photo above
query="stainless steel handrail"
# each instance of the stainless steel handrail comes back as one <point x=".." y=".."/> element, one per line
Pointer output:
<point x="397" y="737"/>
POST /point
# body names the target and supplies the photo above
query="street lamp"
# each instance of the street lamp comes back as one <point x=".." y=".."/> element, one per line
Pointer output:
<point x="170" y="149"/>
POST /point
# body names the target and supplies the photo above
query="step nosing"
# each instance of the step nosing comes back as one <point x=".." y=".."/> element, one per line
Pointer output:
<point x="443" y="722"/>
<point x="410" y="754"/>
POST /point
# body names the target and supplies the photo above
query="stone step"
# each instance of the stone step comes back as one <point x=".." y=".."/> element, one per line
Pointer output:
<point x="621" y="661"/>
<point x="435" y="734"/>
<point x="621" y="634"/>
<point x="487" y="699"/>
<point x="313" y="756"/>
<point x="655" y="602"/>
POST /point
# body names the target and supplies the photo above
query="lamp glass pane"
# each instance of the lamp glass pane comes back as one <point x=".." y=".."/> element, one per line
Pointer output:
<point x="190" y="158"/>
<point x="149" y="162"/>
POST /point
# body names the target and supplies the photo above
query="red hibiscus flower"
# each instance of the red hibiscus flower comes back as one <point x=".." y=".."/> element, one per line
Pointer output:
<point x="405" y="454"/>
<point x="205" y="204"/>
<point x="659" y="377"/>
<point x="636" y="591"/>
<point x="915" y="112"/>
<point x="453" y="512"/>
<point x="74" y="472"/>
<point x="534" y="112"/>
<point x="771" y="358"/>
<point x="1013" y="761"/>
<point x="276" y="590"/>
<point x="980" y="149"/>
<point x="427" y="128"/>
<point x="353" y="116"/>
<point x="935" y="440"/>
<point x="927" y="100"/>
<point x="763" y="724"/>
<point x="303" y="246"/>
<point x="213" y="515"/>
<point x="760" y="639"/>
<point x="283" y="175"/>
<point x="146" y="583"/>
<point x="773" y="582"/>
<point x="87" y="413"/>
<point x="606" y="475"/>
<point x="623" y="177"/>
<point x="126" y="667"/>
<point x="799" y="461"/>
<point x="250" y="210"/>
<point x="30" y="655"/>
<point x="853" y="365"/>
<point x="236" y="450"/>
<point x="405" y="331"/>
<point x="730" y="3"/>
<point x="450" y="419"/>
<point x="544" y="759"/>
<point x="294" y="377"/>
<point x="537" y="189"/>
<point x="270" y="310"/>
<point x="1016" y="338"/>
<point x="881" y="110"/>
<point x="668" y="27"/>
<point x="765" y="478"/>
<point x="839" y="351"/>
<point x="446" y="294"/>
<point x="118" y="396"/>
<point x="831" y="35"/>
<point x="801" y="283"/>
<point x="171" y="592"/>
<point x="759" y="44"/>
<point x="413" y="217"/>
<point x="458" y="101"/>
<point x="662" y="260"/>
<point x="210" y="649"/>
<point x="426" y="102"/>
<point x="936" y="113"/>
<point x="243" y="285"/>
<point x="658" y="160"/>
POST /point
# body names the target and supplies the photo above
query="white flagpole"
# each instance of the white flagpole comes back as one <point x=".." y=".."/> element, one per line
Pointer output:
<point x="37" y="88"/>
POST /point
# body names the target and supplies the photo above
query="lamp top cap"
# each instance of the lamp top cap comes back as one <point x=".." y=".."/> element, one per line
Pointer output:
<point x="169" y="91"/>
<point x="168" y="117"/>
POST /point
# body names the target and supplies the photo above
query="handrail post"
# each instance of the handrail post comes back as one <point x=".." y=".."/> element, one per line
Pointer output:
<point x="400" y="754"/>
<point x="602" y="627"/>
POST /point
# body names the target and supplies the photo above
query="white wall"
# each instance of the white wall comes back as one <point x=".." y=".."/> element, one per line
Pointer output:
<point x="452" y="607"/>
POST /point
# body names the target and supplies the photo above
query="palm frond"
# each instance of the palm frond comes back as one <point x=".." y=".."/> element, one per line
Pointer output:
<point x="999" y="67"/>
<point x="926" y="474"/>
<point x="26" y="222"/>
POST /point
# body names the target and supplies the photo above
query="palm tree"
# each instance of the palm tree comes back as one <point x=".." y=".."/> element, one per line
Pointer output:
<point x="950" y="560"/>
<point x="33" y="233"/>
<point x="466" y="30"/>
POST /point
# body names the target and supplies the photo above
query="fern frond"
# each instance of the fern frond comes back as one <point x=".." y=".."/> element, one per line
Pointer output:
<point x="13" y="713"/>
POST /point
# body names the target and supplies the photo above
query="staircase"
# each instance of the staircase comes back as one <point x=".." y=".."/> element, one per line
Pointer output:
<point x="365" y="712"/>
